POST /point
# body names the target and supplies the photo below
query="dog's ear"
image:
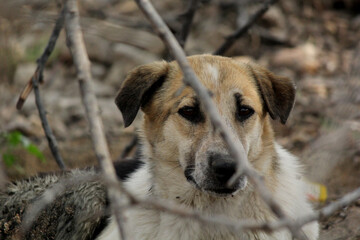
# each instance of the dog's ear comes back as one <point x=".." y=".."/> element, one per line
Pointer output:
<point x="138" y="87"/>
<point x="278" y="93"/>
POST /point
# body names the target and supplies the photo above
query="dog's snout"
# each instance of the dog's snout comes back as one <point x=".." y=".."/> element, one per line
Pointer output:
<point x="222" y="166"/>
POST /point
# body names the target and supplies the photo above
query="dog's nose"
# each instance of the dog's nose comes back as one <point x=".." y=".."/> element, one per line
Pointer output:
<point x="223" y="166"/>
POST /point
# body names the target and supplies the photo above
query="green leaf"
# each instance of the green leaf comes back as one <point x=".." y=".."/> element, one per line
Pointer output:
<point x="14" y="138"/>
<point x="34" y="150"/>
<point x="9" y="159"/>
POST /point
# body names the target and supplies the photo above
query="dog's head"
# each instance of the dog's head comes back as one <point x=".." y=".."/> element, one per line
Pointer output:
<point x="178" y="131"/>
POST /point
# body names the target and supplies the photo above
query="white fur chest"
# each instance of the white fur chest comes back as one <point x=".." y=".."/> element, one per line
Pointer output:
<point x="175" y="228"/>
<point x="143" y="224"/>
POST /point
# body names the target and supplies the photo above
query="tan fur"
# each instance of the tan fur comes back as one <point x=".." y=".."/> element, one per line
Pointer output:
<point x="232" y="75"/>
<point x="172" y="143"/>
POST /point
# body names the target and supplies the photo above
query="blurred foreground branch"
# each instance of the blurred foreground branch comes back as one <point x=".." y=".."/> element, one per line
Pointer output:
<point x="246" y="225"/>
<point x="77" y="48"/>
<point x="329" y="209"/>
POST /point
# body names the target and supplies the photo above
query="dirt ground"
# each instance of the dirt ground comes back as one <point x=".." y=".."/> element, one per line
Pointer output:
<point x="315" y="42"/>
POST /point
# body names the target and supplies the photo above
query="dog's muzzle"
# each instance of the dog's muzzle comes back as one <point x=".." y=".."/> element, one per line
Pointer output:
<point x="220" y="168"/>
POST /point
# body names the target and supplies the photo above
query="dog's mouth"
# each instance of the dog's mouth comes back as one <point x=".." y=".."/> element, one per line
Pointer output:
<point x="222" y="191"/>
<point x="240" y="184"/>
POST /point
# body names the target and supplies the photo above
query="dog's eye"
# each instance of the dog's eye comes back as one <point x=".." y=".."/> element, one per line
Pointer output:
<point x="244" y="113"/>
<point x="192" y="114"/>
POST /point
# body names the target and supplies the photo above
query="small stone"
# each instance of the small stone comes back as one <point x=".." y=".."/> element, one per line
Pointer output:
<point x="303" y="58"/>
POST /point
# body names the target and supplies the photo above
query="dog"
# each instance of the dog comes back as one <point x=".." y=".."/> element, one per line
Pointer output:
<point x="183" y="160"/>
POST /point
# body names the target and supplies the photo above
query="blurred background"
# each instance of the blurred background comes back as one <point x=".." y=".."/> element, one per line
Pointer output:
<point x="314" y="42"/>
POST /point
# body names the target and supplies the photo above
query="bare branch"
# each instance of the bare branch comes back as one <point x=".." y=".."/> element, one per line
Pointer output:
<point x="324" y="212"/>
<point x="187" y="19"/>
<point x="330" y="209"/>
<point x="247" y="224"/>
<point x="42" y="60"/>
<point x="230" y="40"/>
<point x="77" y="48"/>
<point x="184" y="212"/>
<point x="236" y="150"/>
<point x="45" y="124"/>
<point x="34" y="82"/>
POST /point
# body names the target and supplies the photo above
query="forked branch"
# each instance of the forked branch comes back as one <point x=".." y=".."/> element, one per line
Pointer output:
<point x="34" y="82"/>
<point x="187" y="19"/>
<point x="231" y="39"/>
<point x="42" y="60"/>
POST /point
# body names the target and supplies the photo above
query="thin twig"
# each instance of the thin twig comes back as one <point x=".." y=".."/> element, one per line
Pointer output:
<point x="42" y="60"/>
<point x="187" y="18"/>
<point x="230" y="40"/>
<point x="331" y="208"/>
<point x="320" y="214"/>
<point x="75" y="42"/>
<point x="236" y="150"/>
<point x="34" y="82"/>
<point x="129" y="148"/>
<point x="45" y="124"/>
<point x="242" y="225"/>
<point x="184" y="212"/>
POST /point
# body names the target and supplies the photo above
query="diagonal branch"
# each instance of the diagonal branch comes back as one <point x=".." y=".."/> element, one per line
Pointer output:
<point x="236" y="151"/>
<point x="242" y="225"/>
<point x="231" y="39"/>
<point x="42" y="60"/>
<point x="34" y="82"/>
<point x="45" y="124"/>
<point x="75" y="42"/>
<point x="187" y="19"/>
<point x="331" y="208"/>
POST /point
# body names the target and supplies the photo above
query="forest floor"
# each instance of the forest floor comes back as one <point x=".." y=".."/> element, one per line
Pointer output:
<point x="314" y="44"/>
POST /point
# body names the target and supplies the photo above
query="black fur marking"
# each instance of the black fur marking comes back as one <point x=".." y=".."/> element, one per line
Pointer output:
<point x="103" y="223"/>
<point x="125" y="168"/>
<point x="243" y="112"/>
<point x="152" y="90"/>
<point x="190" y="158"/>
<point x="138" y="88"/>
<point x="192" y="112"/>
<point x="277" y="93"/>
<point x="188" y="173"/>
